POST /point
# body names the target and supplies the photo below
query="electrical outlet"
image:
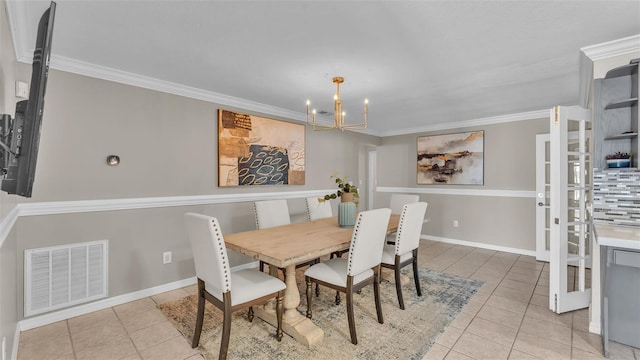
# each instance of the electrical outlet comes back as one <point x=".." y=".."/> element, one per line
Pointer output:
<point x="166" y="257"/>
<point x="22" y="89"/>
<point x="455" y="223"/>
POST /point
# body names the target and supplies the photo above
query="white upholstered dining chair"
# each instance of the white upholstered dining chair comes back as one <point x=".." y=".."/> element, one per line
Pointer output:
<point x="362" y="268"/>
<point x="405" y="249"/>
<point x="396" y="204"/>
<point x="271" y="213"/>
<point x="228" y="291"/>
<point x="399" y="200"/>
<point x="318" y="210"/>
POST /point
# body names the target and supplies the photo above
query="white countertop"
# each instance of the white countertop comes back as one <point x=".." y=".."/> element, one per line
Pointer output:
<point x="618" y="235"/>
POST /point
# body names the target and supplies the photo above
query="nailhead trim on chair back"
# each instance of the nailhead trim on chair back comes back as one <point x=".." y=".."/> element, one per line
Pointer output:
<point x="410" y="227"/>
<point x="318" y="210"/>
<point x="209" y="250"/>
<point x="271" y="213"/>
<point x="369" y="234"/>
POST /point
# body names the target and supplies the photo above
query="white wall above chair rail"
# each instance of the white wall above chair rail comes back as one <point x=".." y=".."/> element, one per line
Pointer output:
<point x="462" y="192"/>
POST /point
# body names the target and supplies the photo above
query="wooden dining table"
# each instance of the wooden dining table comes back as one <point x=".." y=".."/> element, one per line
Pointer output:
<point x="285" y="247"/>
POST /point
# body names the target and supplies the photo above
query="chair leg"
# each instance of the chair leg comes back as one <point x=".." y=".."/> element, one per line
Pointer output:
<point x="279" y="311"/>
<point x="199" y="316"/>
<point x="396" y="271"/>
<point x="416" y="279"/>
<point x="226" y="326"/>
<point x="309" y="297"/>
<point x="317" y="261"/>
<point x="376" y="294"/>
<point x="338" y="255"/>
<point x="261" y="266"/>
<point x="350" y="317"/>
<point x="250" y="314"/>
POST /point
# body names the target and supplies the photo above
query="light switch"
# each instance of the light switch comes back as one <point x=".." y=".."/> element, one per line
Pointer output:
<point x="22" y="89"/>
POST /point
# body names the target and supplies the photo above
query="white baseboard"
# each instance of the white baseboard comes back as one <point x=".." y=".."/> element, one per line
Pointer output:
<point x="69" y="313"/>
<point x="65" y="314"/>
<point x="480" y="245"/>
<point x="594" y="327"/>
<point x="16" y="341"/>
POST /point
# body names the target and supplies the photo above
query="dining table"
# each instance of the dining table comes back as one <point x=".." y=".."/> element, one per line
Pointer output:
<point x="286" y="246"/>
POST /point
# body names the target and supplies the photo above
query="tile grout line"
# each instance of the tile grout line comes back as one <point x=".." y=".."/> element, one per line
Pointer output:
<point x="73" y="348"/>
<point x="474" y="316"/>
<point x="126" y="331"/>
<point x="525" y="313"/>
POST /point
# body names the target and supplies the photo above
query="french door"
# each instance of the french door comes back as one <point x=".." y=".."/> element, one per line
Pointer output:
<point x="543" y="183"/>
<point x="570" y="187"/>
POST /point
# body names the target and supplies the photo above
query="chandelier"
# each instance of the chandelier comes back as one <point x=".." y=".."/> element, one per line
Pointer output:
<point x="338" y="114"/>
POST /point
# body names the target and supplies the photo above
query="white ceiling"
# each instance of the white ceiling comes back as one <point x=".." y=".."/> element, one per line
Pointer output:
<point x="422" y="64"/>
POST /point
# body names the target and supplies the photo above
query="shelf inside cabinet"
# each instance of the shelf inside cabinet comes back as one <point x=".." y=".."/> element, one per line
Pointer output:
<point x="621" y="103"/>
<point x="624" y="70"/>
<point x="628" y="135"/>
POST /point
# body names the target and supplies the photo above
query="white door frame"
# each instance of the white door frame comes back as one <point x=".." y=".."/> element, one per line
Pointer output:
<point x="372" y="177"/>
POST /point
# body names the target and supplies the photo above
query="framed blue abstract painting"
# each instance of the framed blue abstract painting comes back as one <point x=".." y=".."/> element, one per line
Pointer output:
<point x="254" y="150"/>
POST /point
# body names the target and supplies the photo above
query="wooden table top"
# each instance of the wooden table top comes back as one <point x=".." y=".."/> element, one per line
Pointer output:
<point x="295" y="243"/>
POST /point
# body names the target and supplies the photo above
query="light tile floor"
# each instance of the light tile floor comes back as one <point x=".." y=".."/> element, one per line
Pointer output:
<point x="507" y="319"/>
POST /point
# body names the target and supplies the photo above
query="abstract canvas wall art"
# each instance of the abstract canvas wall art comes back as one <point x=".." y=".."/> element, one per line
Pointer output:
<point x="253" y="150"/>
<point x="451" y="159"/>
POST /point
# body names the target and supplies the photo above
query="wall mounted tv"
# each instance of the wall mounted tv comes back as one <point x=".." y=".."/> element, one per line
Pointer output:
<point x="20" y="135"/>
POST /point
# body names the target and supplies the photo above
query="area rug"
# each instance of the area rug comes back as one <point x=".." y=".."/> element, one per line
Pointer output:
<point x="405" y="334"/>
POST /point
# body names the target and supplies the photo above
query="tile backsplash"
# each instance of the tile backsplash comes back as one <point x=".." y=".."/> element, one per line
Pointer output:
<point x="616" y="196"/>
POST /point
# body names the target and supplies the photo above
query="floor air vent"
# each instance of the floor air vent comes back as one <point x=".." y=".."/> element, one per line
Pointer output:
<point x="61" y="276"/>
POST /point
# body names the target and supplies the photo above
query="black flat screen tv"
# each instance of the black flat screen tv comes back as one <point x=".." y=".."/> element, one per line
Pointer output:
<point x="23" y="132"/>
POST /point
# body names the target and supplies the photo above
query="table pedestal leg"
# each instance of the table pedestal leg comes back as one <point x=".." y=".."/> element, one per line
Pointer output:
<point x="293" y="323"/>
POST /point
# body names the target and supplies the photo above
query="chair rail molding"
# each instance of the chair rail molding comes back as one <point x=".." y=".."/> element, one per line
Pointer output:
<point x="82" y="206"/>
<point x="456" y="191"/>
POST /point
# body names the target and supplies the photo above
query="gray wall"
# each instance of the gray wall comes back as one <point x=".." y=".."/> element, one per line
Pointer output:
<point x="168" y="147"/>
<point x="509" y="164"/>
<point x="167" y="144"/>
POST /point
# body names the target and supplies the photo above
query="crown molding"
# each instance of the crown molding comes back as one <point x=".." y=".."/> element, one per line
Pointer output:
<point x="612" y="48"/>
<point x="105" y="73"/>
<point x="586" y="79"/>
<point x="530" y="115"/>
<point x="592" y="53"/>
<point x="17" y="17"/>
<point x="127" y="78"/>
